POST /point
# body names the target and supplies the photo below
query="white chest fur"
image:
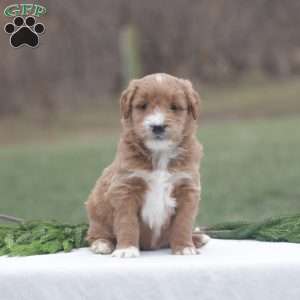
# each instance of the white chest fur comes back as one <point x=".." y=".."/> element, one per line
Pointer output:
<point x="158" y="203"/>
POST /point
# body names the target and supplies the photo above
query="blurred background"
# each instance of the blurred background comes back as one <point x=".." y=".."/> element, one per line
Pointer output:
<point x="59" y="114"/>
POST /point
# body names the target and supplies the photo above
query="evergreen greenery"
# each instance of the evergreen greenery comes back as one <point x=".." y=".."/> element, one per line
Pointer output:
<point x="280" y="229"/>
<point x="41" y="237"/>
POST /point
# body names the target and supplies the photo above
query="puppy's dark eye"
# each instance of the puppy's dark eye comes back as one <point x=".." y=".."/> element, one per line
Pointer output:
<point x="142" y="106"/>
<point x="174" y="107"/>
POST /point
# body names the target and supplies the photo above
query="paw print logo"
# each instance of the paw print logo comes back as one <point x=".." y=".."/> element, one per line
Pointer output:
<point x="24" y="32"/>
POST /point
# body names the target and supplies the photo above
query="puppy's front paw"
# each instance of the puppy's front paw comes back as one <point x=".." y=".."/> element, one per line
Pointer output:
<point x="102" y="246"/>
<point x="126" y="252"/>
<point x="186" y="251"/>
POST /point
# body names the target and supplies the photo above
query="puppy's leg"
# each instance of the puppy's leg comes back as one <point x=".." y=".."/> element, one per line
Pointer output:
<point x="126" y="202"/>
<point x="126" y="227"/>
<point x="181" y="240"/>
<point x="99" y="235"/>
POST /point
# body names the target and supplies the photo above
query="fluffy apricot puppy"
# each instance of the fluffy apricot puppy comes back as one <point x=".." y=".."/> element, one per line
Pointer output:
<point x="148" y="197"/>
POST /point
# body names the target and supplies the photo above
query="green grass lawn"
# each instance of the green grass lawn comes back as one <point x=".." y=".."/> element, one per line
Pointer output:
<point x="250" y="171"/>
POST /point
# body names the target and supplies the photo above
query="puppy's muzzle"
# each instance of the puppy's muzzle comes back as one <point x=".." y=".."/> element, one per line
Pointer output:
<point x="155" y="124"/>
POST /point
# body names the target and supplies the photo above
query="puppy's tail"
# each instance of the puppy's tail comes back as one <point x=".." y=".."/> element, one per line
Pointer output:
<point x="199" y="238"/>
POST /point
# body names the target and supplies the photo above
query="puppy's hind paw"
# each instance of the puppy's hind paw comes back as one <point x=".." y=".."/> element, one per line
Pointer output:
<point x="126" y="252"/>
<point x="205" y="239"/>
<point x="187" y="251"/>
<point x="102" y="246"/>
<point x="200" y="239"/>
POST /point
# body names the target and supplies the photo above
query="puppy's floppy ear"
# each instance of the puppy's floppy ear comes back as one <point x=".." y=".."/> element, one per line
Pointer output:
<point x="192" y="97"/>
<point x="126" y="98"/>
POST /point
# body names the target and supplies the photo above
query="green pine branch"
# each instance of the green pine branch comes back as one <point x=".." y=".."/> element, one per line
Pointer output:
<point x="41" y="237"/>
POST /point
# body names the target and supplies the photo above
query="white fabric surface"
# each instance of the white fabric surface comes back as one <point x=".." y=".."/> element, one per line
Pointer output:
<point x="224" y="270"/>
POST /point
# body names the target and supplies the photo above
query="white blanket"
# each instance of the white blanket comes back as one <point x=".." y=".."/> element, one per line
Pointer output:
<point x="225" y="270"/>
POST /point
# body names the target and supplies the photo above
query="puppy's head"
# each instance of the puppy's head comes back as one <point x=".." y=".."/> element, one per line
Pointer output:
<point x="160" y="109"/>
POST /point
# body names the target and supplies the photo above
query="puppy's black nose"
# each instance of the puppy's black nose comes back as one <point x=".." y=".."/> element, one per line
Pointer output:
<point x="158" y="129"/>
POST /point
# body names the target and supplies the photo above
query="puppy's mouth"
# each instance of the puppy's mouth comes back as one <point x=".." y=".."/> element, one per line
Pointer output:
<point x="159" y="137"/>
<point x="159" y="143"/>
